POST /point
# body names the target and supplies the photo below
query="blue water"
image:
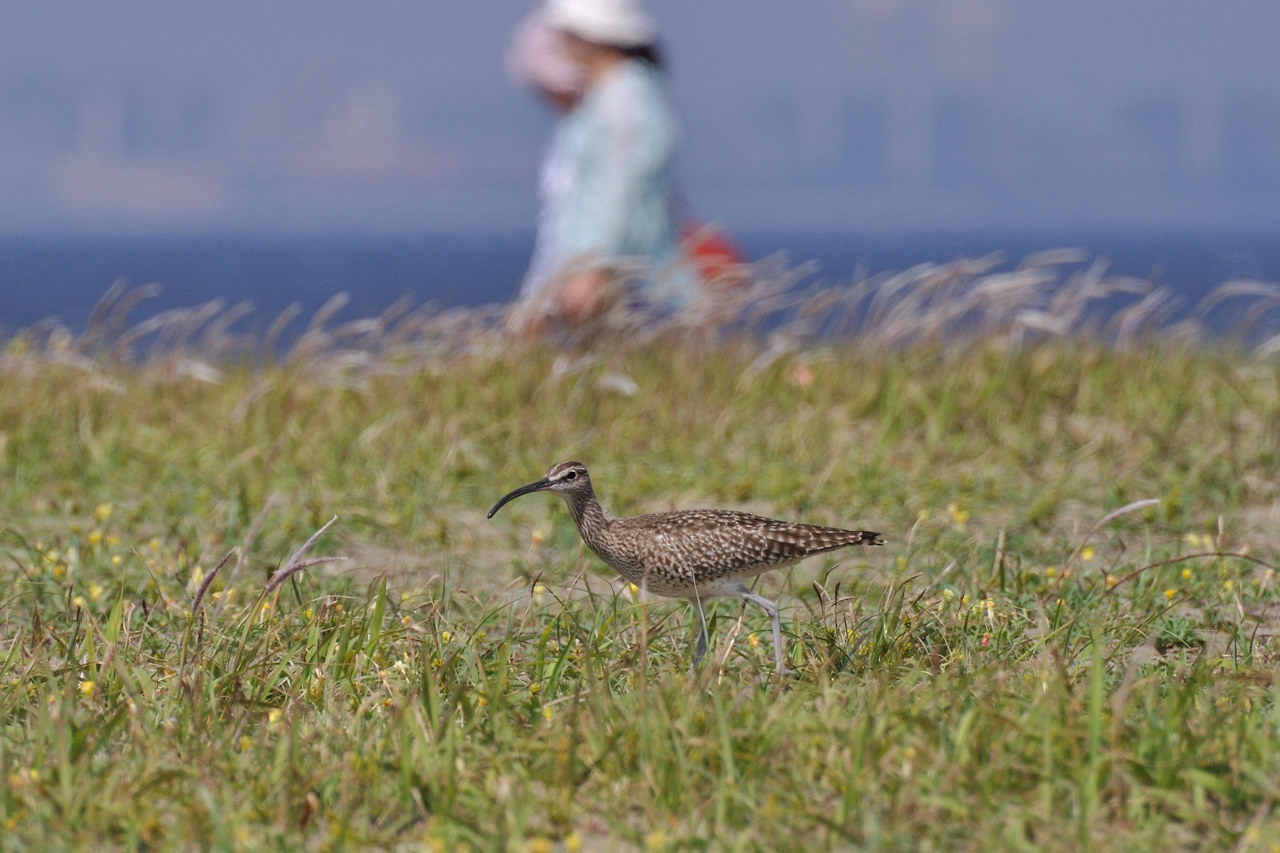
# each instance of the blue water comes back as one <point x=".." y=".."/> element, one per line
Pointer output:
<point x="63" y="277"/>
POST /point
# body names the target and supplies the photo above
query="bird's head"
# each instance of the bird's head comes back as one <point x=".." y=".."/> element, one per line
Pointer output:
<point x="567" y="479"/>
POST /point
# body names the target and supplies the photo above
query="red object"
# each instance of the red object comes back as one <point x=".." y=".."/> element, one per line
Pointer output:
<point x="713" y="253"/>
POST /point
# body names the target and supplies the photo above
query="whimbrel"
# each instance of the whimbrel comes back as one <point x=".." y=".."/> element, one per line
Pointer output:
<point x="694" y="554"/>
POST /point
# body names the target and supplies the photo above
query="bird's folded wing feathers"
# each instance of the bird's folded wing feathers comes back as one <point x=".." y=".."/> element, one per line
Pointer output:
<point x="724" y="541"/>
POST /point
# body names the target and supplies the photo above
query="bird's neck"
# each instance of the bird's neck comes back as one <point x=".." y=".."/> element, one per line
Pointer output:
<point x="589" y="516"/>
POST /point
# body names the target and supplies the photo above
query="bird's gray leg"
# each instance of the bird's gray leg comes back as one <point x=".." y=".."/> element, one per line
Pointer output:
<point x="700" y="648"/>
<point x="772" y="610"/>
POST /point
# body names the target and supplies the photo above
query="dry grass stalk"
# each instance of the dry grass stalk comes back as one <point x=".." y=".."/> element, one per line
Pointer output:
<point x="208" y="581"/>
<point x="296" y="563"/>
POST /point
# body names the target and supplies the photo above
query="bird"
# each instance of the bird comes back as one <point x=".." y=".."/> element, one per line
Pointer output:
<point x="693" y="554"/>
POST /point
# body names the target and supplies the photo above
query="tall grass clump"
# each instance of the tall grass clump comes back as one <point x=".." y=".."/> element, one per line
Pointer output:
<point x="1069" y="642"/>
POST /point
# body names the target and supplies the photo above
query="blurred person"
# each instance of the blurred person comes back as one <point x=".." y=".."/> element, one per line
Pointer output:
<point x="606" y="229"/>
<point x="539" y="58"/>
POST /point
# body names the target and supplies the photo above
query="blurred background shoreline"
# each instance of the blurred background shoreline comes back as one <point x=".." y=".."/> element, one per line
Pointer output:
<point x="62" y="276"/>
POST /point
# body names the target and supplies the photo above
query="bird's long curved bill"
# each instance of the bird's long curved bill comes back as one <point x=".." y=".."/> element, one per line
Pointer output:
<point x="544" y="483"/>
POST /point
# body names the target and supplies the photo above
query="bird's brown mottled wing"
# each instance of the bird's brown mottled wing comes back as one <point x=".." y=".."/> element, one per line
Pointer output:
<point x="709" y="544"/>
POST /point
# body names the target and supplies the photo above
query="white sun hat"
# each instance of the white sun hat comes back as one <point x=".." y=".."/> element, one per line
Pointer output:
<point x="620" y="23"/>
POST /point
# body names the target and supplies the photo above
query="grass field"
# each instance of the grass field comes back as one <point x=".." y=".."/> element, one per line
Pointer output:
<point x="1041" y="658"/>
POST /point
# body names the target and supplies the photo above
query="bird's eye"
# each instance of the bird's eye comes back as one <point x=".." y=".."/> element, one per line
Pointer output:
<point x="572" y="475"/>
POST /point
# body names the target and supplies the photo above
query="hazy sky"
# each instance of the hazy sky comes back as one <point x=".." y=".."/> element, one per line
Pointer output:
<point x="834" y="114"/>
